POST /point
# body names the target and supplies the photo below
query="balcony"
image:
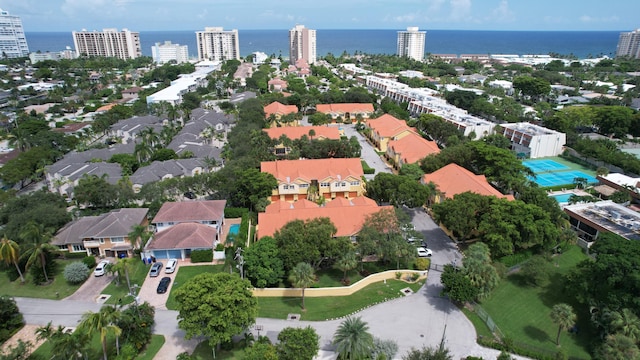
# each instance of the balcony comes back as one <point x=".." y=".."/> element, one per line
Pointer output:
<point x="91" y="243"/>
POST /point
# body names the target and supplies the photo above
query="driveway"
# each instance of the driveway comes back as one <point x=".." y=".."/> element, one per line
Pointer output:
<point x="368" y="153"/>
<point x="148" y="290"/>
<point x="91" y="288"/>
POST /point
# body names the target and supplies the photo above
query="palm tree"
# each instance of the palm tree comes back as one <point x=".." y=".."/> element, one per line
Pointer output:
<point x="64" y="345"/>
<point x="346" y="263"/>
<point x="352" y="339"/>
<point x="312" y="133"/>
<point x="124" y="266"/>
<point x="563" y="316"/>
<point x="38" y="237"/>
<point x="10" y="253"/>
<point x="302" y="276"/>
<point x="625" y="323"/>
<point x="102" y="322"/>
<point x="143" y="152"/>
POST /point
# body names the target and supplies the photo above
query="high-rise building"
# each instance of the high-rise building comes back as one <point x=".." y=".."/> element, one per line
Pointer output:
<point x="629" y="44"/>
<point x="217" y="44"/>
<point x="302" y="44"/>
<point x="123" y="44"/>
<point x="167" y="52"/>
<point x="411" y="43"/>
<point x="13" y="43"/>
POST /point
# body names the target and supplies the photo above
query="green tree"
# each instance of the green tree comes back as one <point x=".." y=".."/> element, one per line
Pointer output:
<point x="429" y="353"/>
<point x="264" y="267"/>
<point x="252" y="186"/>
<point x="302" y="276"/>
<point x="260" y="351"/>
<point x="10" y="254"/>
<point x="298" y="343"/>
<point x="563" y="316"/>
<point x="95" y="191"/>
<point x="102" y="322"/>
<point x="625" y="322"/>
<point x="37" y="237"/>
<point x="64" y="344"/>
<point x="457" y="285"/>
<point x="123" y="267"/>
<point x="479" y="269"/>
<point x="217" y="306"/>
<point x="618" y="347"/>
<point x="346" y="263"/>
<point x="536" y="271"/>
<point x="532" y="87"/>
<point x="136" y="323"/>
<point x="10" y="318"/>
<point x="352" y="339"/>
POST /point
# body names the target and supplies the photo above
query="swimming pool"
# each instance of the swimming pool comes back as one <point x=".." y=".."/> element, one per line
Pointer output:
<point x="562" y="198"/>
<point x="234" y="229"/>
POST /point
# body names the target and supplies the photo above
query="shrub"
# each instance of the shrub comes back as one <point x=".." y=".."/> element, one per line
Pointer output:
<point x="536" y="271"/>
<point x="233" y="212"/>
<point x="198" y="256"/>
<point x="76" y="272"/>
<point x="369" y="171"/>
<point x="422" y="264"/>
<point x="415" y="276"/>
<point x="90" y="261"/>
<point x="219" y="247"/>
<point x="398" y="275"/>
<point x="10" y="318"/>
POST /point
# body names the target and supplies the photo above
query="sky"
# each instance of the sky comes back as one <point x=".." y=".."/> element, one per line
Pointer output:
<point x="158" y="15"/>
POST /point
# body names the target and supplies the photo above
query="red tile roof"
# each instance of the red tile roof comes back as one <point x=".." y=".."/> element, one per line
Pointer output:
<point x="348" y="216"/>
<point x="313" y="169"/>
<point x="413" y="147"/>
<point x="454" y="179"/>
<point x="184" y="236"/>
<point x="187" y="211"/>
<point x="388" y="126"/>
<point x="277" y="108"/>
<point x="344" y="108"/>
<point x="296" y="132"/>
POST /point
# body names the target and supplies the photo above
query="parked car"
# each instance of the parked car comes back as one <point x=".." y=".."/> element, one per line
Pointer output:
<point x="101" y="268"/>
<point x="164" y="285"/>
<point x="424" y="252"/>
<point x="155" y="269"/>
<point x="172" y="264"/>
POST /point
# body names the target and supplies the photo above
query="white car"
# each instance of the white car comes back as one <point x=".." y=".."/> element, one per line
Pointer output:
<point x="423" y="252"/>
<point x="172" y="264"/>
<point x="101" y="268"/>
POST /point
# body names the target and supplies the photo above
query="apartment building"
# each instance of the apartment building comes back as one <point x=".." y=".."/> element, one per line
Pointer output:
<point x="215" y="43"/>
<point x="123" y="44"/>
<point x="302" y="44"/>
<point x="629" y="44"/>
<point x="13" y="42"/>
<point x="533" y="141"/>
<point x="411" y="43"/>
<point x="163" y="53"/>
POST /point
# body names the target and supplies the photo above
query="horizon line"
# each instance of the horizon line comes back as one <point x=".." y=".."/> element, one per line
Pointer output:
<point x="334" y="29"/>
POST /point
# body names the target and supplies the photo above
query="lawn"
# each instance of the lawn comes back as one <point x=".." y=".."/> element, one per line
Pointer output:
<point x="152" y="349"/>
<point x="323" y="308"/>
<point x="185" y="273"/>
<point x="58" y="289"/>
<point x="203" y="352"/>
<point x="521" y="311"/>
<point x="95" y="349"/>
<point x="120" y="291"/>
<point x="332" y="277"/>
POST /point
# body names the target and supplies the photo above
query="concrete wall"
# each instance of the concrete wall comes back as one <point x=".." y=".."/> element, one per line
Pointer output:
<point x="335" y="291"/>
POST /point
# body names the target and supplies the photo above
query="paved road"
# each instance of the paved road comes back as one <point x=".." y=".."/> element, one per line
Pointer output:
<point x="91" y="288"/>
<point x="368" y="153"/>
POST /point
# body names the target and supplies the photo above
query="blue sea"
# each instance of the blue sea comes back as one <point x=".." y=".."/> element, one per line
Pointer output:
<point x="582" y="44"/>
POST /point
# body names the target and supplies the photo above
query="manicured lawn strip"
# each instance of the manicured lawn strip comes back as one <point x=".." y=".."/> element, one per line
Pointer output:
<point x="137" y="276"/>
<point x="521" y="312"/>
<point x="332" y="277"/>
<point x="203" y="352"/>
<point x="185" y="273"/>
<point x="331" y="307"/>
<point x="481" y="327"/>
<point x="59" y="285"/>
<point x="152" y="349"/>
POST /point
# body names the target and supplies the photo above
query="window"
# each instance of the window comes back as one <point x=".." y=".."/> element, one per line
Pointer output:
<point x="78" y="248"/>
<point x="343" y="184"/>
<point x="303" y="186"/>
<point x="288" y="187"/>
<point x="171" y="223"/>
<point x="325" y="184"/>
<point x="63" y="247"/>
<point x="355" y="183"/>
<point x="117" y="239"/>
<point x="101" y="240"/>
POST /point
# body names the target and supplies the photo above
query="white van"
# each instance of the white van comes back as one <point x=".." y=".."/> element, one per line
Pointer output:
<point x="171" y="266"/>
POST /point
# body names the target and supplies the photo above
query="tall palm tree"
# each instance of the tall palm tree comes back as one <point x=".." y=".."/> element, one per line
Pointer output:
<point x="123" y="266"/>
<point x="346" y="263"/>
<point x="101" y="322"/>
<point x="10" y="253"/>
<point x="64" y="345"/>
<point x="302" y="276"/>
<point x="617" y="347"/>
<point x="143" y="152"/>
<point x="563" y="316"/>
<point x="626" y="323"/>
<point x="352" y="339"/>
<point x="37" y="236"/>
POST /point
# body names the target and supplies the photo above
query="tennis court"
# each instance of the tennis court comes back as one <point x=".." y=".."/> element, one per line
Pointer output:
<point x="544" y="165"/>
<point x="561" y="178"/>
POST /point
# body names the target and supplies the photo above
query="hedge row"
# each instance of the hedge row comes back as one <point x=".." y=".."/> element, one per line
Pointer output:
<point x="198" y="256"/>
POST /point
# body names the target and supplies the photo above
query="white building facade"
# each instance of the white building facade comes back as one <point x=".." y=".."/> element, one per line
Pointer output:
<point x="13" y="42"/>
<point x="215" y="43"/>
<point x="302" y="44"/>
<point x="123" y="44"/>
<point x="166" y="52"/>
<point x="533" y="141"/>
<point x="629" y="44"/>
<point x="411" y="43"/>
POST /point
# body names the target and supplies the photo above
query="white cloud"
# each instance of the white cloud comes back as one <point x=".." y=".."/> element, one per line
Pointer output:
<point x="460" y="10"/>
<point x="604" y="19"/>
<point x="503" y="13"/>
<point x="435" y="6"/>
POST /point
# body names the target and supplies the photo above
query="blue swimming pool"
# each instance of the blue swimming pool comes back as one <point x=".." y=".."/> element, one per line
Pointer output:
<point x="234" y="229"/>
<point x="562" y="198"/>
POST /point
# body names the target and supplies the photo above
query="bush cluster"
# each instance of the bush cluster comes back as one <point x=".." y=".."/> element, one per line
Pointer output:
<point x="76" y="272"/>
<point x="90" y="261"/>
<point x="234" y="212"/>
<point x="198" y="256"/>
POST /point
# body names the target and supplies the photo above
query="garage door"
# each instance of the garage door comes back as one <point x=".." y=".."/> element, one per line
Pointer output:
<point x="160" y="254"/>
<point x="175" y="254"/>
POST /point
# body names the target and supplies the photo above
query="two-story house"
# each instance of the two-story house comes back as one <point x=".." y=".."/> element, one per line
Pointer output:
<point x="315" y="178"/>
<point x="181" y="227"/>
<point x="348" y="112"/>
<point x="386" y="128"/>
<point x="409" y="149"/>
<point x="278" y="110"/>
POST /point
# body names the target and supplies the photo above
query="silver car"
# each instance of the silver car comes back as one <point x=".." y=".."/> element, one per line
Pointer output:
<point x="155" y="269"/>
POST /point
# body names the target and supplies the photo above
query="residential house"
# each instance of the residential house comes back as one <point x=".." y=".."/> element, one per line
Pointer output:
<point x="105" y="235"/>
<point x="410" y="149"/>
<point x="131" y="93"/>
<point x="348" y="215"/>
<point x="315" y="178"/>
<point x="278" y="110"/>
<point x="181" y="227"/>
<point x="589" y="220"/>
<point x="277" y="84"/>
<point x="348" y="112"/>
<point x="162" y="170"/>
<point x="385" y="128"/>
<point x="128" y="129"/>
<point x="297" y="132"/>
<point x="453" y="179"/>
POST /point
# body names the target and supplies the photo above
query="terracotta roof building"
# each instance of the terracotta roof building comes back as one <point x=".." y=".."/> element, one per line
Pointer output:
<point x="348" y="215"/>
<point x="410" y="149"/>
<point x="386" y="128"/>
<point x="313" y="178"/>
<point x="279" y="110"/>
<point x="454" y="179"/>
<point x="347" y="112"/>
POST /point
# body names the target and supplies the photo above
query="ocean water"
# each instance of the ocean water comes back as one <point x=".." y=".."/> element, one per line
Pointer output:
<point x="583" y="44"/>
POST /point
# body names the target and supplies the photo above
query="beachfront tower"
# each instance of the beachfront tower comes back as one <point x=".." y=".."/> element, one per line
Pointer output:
<point x="163" y="53"/>
<point x="411" y="43"/>
<point x="13" y="43"/>
<point x="217" y="44"/>
<point x="302" y="44"/>
<point x="629" y="44"/>
<point x="123" y="44"/>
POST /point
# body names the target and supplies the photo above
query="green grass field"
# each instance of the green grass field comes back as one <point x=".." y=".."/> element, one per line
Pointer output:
<point x="521" y="311"/>
<point x="152" y="349"/>
<point x="185" y="273"/>
<point x="120" y="291"/>
<point x="95" y="348"/>
<point x="58" y="289"/>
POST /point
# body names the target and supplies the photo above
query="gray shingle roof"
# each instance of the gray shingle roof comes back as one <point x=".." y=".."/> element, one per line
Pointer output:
<point x="118" y="222"/>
